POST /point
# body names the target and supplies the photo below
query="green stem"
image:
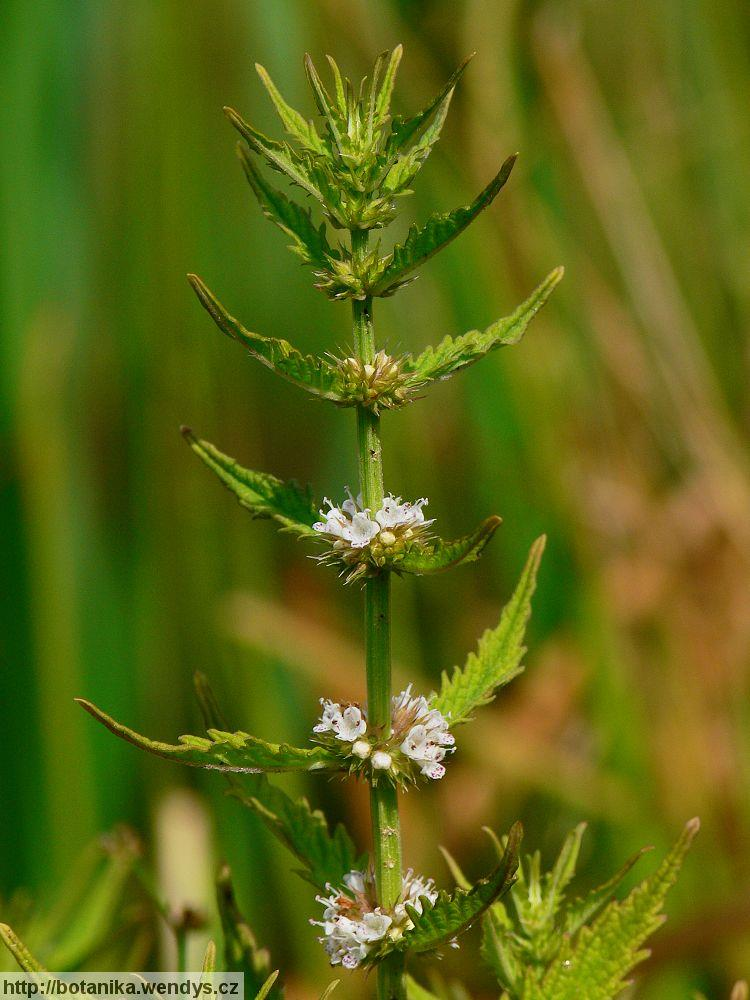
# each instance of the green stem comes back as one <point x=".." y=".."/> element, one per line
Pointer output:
<point x="386" y="830"/>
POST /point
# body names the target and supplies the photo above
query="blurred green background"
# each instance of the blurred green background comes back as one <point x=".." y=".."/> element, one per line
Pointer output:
<point x="618" y="427"/>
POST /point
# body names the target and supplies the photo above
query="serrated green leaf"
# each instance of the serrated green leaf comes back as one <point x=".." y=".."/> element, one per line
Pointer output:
<point x="262" y="494"/>
<point x="451" y="355"/>
<point x="310" y="241"/>
<point x="241" y="950"/>
<point x="314" y="375"/>
<point x="237" y="752"/>
<point x="581" y="911"/>
<point x="294" y="123"/>
<point x="407" y="165"/>
<point x="453" y="913"/>
<point x="19" y="951"/>
<point x="439" y="555"/>
<point x="278" y="154"/>
<point x="499" y="654"/>
<point x="325" y="856"/>
<point x="404" y="129"/>
<point x="266" y="988"/>
<point x="439" y="230"/>
<point x="385" y="91"/>
<point x="599" y="958"/>
<point x="323" y="100"/>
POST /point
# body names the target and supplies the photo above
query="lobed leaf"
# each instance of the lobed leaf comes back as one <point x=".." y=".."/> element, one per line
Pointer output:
<point x="294" y="123"/>
<point x="451" y="355"/>
<point x="325" y="856"/>
<point x="600" y="957"/>
<point x="315" y="375"/>
<point x="262" y="494"/>
<point x="499" y="653"/>
<point x="221" y="751"/>
<point x="453" y="913"/>
<point x="423" y="243"/>
<point x="439" y="555"/>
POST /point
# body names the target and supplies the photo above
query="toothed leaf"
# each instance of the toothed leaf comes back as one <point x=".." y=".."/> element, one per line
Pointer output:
<point x="294" y="123"/>
<point x="315" y="375"/>
<point x="325" y="856"/>
<point x="403" y="129"/>
<point x="385" y="91"/>
<point x="438" y="555"/>
<point x="408" y="164"/>
<point x="423" y="243"/>
<point x="599" y="958"/>
<point x="499" y="652"/>
<point x="451" y="355"/>
<point x="262" y="494"/>
<point x="583" y="910"/>
<point x="326" y="106"/>
<point x="280" y="155"/>
<point x="220" y="751"/>
<point x="453" y="913"/>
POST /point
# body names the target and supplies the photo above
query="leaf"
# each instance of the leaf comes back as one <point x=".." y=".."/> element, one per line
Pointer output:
<point x="278" y="154"/>
<point x="266" y="988"/>
<point x="322" y="99"/>
<point x="310" y="241"/>
<point x="328" y="991"/>
<point x="19" y="950"/>
<point x="452" y="914"/>
<point x="451" y="355"/>
<point x="304" y="831"/>
<point x="262" y="494"/>
<point x="325" y="856"/>
<point x="313" y="374"/>
<point x="220" y="751"/>
<point x="295" y="124"/>
<point x="241" y="950"/>
<point x="402" y="130"/>
<point x="438" y="231"/>
<point x="385" y="91"/>
<point x="602" y="954"/>
<point x="407" y="165"/>
<point x="439" y="555"/>
<point x="583" y="910"/>
<point x="499" y="652"/>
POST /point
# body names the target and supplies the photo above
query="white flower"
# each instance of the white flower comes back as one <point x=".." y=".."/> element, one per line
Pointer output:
<point x="347" y="725"/>
<point x="353" y="925"/>
<point x="362" y="530"/>
<point x="426" y="739"/>
<point x="394" y="514"/>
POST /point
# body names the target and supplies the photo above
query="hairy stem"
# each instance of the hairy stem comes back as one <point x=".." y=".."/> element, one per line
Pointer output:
<point x="386" y="831"/>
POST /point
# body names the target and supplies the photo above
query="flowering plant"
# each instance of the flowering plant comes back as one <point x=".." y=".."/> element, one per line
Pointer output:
<point x="357" y="170"/>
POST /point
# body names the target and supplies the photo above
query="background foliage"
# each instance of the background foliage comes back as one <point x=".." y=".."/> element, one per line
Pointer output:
<point x="618" y="427"/>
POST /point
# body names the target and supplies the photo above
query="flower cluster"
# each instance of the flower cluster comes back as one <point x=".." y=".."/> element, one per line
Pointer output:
<point x="380" y="385"/>
<point x="355" y="928"/>
<point x="418" y="739"/>
<point x="364" y="542"/>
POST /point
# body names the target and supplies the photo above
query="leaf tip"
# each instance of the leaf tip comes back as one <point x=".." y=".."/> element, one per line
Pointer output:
<point x="693" y="826"/>
<point x="187" y="432"/>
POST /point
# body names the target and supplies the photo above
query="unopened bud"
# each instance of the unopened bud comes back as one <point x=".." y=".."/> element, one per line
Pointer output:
<point x="361" y="749"/>
<point x="381" y="761"/>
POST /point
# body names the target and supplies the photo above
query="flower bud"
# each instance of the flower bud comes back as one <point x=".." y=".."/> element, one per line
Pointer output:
<point x="381" y="761"/>
<point x="361" y="749"/>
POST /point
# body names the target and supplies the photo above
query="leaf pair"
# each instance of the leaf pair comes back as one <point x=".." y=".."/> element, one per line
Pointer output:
<point x="325" y="379"/>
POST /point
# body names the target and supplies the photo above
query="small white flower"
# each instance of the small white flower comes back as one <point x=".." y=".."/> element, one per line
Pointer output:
<point x="381" y="761"/>
<point x="394" y="514"/>
<point x="426" y="739"/>
<point x="362" y="530"/>
<point x="347" y="725"/>
<point x="352" y="725"/>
